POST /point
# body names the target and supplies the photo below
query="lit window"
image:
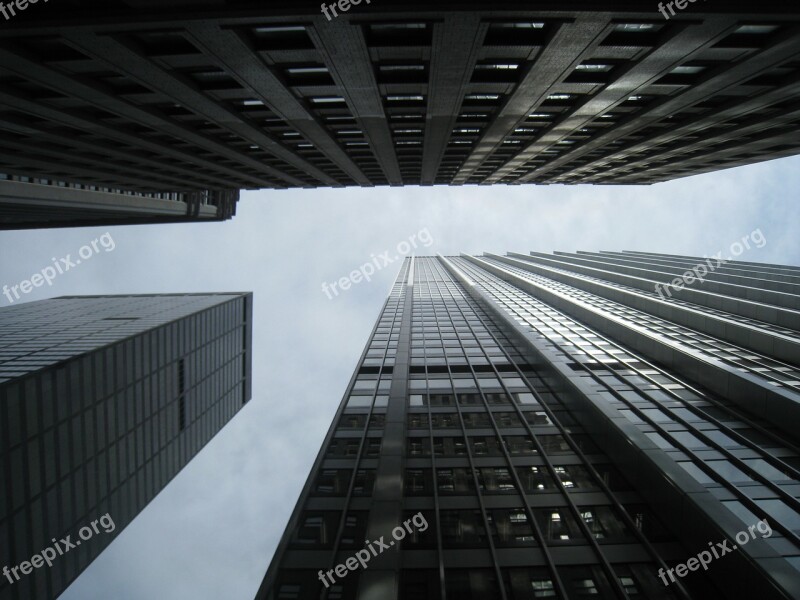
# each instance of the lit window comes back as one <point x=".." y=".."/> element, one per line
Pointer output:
<point x="687" y="70"/>
<point x="497" y="67"/>
<point x="482" y="96"/>
<point x="586" y="587"/>
<point x="523" y="25"/>
<point x="634" y="27"/>
<point x="327" y="99"/>
<point x="756" y="29"/>
<point x="543" y="588"/>
<point x="306" y="70"/>
<point x="405" y="98"/>
<point x="593" y="67"/>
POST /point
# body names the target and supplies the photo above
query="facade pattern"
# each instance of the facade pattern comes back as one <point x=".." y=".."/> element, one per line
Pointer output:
<point x="553" y="453"/>
<point x="103" y="400"/>
<point x="204" y="100"/>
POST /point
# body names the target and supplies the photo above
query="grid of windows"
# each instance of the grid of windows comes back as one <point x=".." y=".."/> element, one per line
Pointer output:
<point x="491" y="457"/>
<point x="741" y="459"/>
<point x="433" y="96"/>
<point x="116" y="395"/>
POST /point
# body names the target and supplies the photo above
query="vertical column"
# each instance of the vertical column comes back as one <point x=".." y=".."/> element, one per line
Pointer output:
<point x="381" y="580"/>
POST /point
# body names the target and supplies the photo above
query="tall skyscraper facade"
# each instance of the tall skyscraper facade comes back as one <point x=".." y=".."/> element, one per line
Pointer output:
<point x="121" y="111"/>
<point x="103" y="400"/>
<point x="605" y="425"/>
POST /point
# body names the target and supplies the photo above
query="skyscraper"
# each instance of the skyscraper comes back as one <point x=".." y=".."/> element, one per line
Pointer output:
<point x="119" y="111"/>
<point x="564" y="426"/>
<point x="103" y="400"/>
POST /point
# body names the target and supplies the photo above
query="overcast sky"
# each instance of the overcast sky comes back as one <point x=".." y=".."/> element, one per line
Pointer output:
<point x="211" y="533"/>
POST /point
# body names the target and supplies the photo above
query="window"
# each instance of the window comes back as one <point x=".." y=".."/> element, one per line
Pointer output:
<point x="355" y="529"/>
<point x="557" y="525"/>
<point x="605" y="525"/>
<point x="455" y="481"/>
<point x="364" y="482"/>
<point x="417" y="421"/>
<point x="418" y="447"/>
<point x="477" y="420"/>
<point x="575" y="477"/>
<point x="496" y="480"/>
<point x="444" y="420"/>
<point x="317" y="529"/>
<point x="332" y="482"/>
<point x="485" y="446"/>
<point x="343" y="448"/>
<point x="373" y="448"/>
<point x="510" y="527"/>
<point x="520" y="445"/>
<point x="535" y="479"/>
<point x="463" y="529"/>
<point x="417" y="482"/>
<point x="352" y="421"/>
<point x="449" y="446"/>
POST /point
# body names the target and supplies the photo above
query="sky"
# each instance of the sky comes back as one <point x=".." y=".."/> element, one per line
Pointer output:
<point x="212" y="531"/>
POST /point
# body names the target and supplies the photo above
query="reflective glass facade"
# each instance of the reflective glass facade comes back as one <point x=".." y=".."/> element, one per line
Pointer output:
<point x="554" y="453"/>
<point x="103" y="399"/>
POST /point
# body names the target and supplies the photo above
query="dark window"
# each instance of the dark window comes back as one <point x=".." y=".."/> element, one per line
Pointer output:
<point x="332" y="482"/>
<point x="472" y="584"/>
<point x="418" y="482"/>
<point x="463" y="529"/>
<point x="455" y="481"/>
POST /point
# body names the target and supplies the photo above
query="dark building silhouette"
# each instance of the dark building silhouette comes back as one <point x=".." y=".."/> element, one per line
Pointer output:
<point x="135" y="112"/>
<point x="567" y="431"/>
<point x="103" y="400"/>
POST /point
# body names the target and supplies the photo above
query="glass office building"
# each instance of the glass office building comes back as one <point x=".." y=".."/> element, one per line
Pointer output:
<point x="567" y="429"/>
<point x="103" y="400"/>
